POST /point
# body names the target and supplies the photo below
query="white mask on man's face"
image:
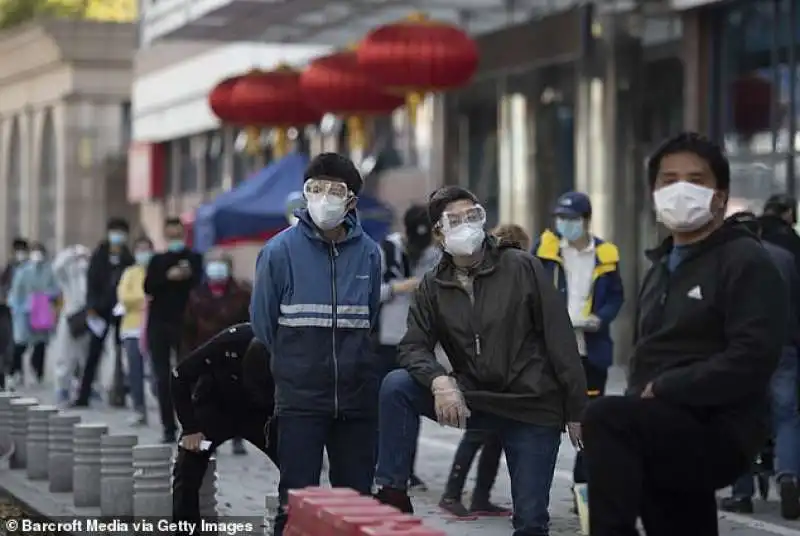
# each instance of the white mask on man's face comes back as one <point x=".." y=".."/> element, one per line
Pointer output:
<point x="464" y="240"/>
<point x="327" y="212"/>
<point x="683" y="207"/>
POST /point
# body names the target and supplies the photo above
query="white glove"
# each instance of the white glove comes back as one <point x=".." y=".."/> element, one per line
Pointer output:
<point x="451" y="408"/>
<point x="591" y="323"/>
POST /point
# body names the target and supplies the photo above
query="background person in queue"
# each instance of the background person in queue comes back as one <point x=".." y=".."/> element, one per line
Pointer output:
<point x="170" y="278"/>
<point x="222" y="390"/>
<point x="507" y="334"/>
<point x="315" y="303"/>
<point x="712" y="317"/>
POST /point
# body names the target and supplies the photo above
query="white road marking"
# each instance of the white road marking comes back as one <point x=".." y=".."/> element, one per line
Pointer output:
<point x="561" y="474"/>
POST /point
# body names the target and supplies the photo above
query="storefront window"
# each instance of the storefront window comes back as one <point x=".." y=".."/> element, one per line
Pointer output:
<point x="187" y="166"/>
<point x="215" y="150"/>
<point x="756" y="114"/>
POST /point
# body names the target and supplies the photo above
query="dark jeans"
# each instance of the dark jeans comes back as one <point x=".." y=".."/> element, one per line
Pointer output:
<point x="135" y="372"/>
<point x="596" y="379"/>
<point x="531" y="450"/>
<point x="387" y="357"/>
<point x="491" y="449"/>
<point x="96" y="347"/>
<point x="190" y="467"/>
<point x="646" y="458"/>
<point x="162" y="340"/>
<point x="37" y="359"/>
<point x="351" y="455"/>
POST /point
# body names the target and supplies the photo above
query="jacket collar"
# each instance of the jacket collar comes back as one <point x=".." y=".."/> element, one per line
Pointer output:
<point x="445" y="271"/>
<point x="309" y="228"/>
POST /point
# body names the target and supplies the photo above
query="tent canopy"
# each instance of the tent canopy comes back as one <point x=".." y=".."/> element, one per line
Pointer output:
<point x="257" y="208"/>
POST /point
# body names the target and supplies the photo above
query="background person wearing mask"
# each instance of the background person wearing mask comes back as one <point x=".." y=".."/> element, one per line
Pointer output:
<point x="712" y="317"/>
<point x="473" y="440"/>
<point x="32" y="280"/>
<point x="220" y="301"/>
<point x="109" y="260"/>
<point x="130" y="294"/>
<point x="777" y="225"/>
<point x="69" y="269"/>
<point x="19" y="254"/>
<point x="584" y="269"/>
<point x="315" y="303"/>
<point x="507" y="334"/>
<point x="405" y="259"/>
<point x="170" y="278"/>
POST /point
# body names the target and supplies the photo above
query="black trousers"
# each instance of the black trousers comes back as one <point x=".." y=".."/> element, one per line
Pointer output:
<point x="96" y="347"/>
<point x="163" y="339"/>
<point x="646" y="458"/>
<point x="596" y="379"/>
<point x="218" y="427"/>
<point x="488" y="463"/>
<point x="37" y="359"/>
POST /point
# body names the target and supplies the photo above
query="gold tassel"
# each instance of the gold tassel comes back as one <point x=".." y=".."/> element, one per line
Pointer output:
<point x="281" y="145"/>
<point x="253" y="146"/>
<point x="413" y="102"/>
<point x="356" y="132"/>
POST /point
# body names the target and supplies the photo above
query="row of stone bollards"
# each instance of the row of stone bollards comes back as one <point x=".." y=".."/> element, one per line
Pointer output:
<point x="107" y="471"/>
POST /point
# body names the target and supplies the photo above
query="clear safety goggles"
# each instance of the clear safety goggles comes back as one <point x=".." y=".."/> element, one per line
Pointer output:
<point x="475" y="215"/>
<point x="316" y="188"/>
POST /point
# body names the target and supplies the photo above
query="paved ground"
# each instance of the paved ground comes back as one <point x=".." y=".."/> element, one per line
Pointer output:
<point x="244" y="482"/>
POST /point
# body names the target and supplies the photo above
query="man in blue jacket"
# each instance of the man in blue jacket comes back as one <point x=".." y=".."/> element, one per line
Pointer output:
<point x="584" y="269"/>
<point x="314" y="305"/>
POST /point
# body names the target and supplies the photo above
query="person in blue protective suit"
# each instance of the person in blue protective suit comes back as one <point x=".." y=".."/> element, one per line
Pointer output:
<point x="585" y="270"/>
<point x="315" y="301"/>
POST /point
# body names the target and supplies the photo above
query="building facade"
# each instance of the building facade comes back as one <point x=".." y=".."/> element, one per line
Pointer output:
<point x="64" y="129"/>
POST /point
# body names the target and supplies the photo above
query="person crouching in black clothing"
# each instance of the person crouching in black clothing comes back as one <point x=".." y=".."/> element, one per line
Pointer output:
<point x="221" y="391"/>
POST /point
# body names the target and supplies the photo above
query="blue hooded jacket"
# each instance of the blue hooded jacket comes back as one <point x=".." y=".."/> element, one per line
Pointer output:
<point x="314" y="306"/>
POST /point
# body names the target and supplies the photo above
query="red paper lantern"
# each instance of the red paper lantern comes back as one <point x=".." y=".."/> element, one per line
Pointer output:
<point x="272" y="99"/>
<point x="419" y="55"/>
<point x="337" y="84"/>
<point x="219" y="100"/>
<point x="751" y="103"/>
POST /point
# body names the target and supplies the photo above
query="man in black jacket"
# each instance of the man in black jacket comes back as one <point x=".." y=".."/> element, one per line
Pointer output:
<point x="711" y="321"/>
<point x="221" y="391"/>
<point x="108" y="261"/>
<point x="777" y="224"/>
<point x="170" y="278"/>
<point x="516" y="367"/>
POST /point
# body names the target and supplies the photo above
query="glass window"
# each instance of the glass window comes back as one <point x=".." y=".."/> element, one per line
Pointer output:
<point x="214" y="157"/>
<point x="243" y="162"/>
<point x="187" y="167"/>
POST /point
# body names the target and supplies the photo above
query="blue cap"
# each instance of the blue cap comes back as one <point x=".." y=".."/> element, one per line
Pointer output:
<point x="573" y="205"/>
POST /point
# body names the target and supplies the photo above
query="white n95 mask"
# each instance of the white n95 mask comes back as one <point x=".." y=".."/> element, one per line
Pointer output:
<point x="683" y="207"/>
<point x="327" y="213"/>
<point x="464" y="240"/>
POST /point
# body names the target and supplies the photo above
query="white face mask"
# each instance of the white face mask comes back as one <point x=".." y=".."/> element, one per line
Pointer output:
<point x="683" y="207"/>
<point x="464" y="240"/>
<point x="37" y="256"/>
<point x="327" y="213"/>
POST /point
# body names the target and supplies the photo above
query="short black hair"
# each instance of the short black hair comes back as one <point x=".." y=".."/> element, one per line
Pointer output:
<point x="335" y="166"/>
<point x="779" y="204"/>
<point x="445" y="195"/>
<point x="38" y="246"/>
<point x="19" y="243"/>
<point x="117" y="224"/>
<point x="748" y="219"/>
<point x="172" y="221"/>
<point x="144" y="239"/>
<point x="692" y="142"/>
<point x="415" y="216"/>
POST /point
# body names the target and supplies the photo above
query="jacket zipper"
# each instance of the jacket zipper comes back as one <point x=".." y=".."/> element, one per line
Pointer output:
<point x="333" y="254"/>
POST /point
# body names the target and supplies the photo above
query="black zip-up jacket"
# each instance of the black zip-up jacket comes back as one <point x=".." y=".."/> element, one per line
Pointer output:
<point x="709" y="335"/>
<point x="169" y="297"/>
<point x="103" y="277"/>
<point x="513" y="352"/>
<point x="776" y="231"/>
<point x="230" y="373"/>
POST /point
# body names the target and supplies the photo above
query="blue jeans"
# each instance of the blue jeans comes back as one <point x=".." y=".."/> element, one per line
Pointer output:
<point x="351" y="455"/>
<point x="531" y="450"/>
<point x="135" y="372"/>
<point x="785" y="416"/>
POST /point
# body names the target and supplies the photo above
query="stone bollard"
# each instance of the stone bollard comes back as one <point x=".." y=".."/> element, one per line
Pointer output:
<point x="19" y="430"/>
<point x="37" y="449"/>
<point x="5" y="420"/>
<point x="86" y="456"/>
<point x="60" y="463"/>
<point x="116" y="475"/>
<point x="208" y="491"/>
<point x="271" y="505"/>
<point x="152" y="481"/>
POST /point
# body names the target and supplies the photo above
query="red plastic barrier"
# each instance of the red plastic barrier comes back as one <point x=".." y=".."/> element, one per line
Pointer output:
<point x="393" y="529"/>
<point x="345" y="521"/>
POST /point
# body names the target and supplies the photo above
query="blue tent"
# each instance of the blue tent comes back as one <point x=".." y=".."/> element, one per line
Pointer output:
<point x="258" y="207"/>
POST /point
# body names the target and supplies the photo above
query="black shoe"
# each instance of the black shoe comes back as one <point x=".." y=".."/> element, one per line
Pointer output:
<point x="456" y="508"/>
<point x="790" y="498"/>
<point x="416" y="484"/>
<point x="487" y="508"/>
<point x="737" y="505"/>
<point x="397" y="498"/>
<point x="168" y="437"/>
<point x="238" y="447"/>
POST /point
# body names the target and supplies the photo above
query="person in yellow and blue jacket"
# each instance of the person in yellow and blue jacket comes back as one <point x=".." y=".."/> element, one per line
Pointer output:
<point x="585" y="270"/>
